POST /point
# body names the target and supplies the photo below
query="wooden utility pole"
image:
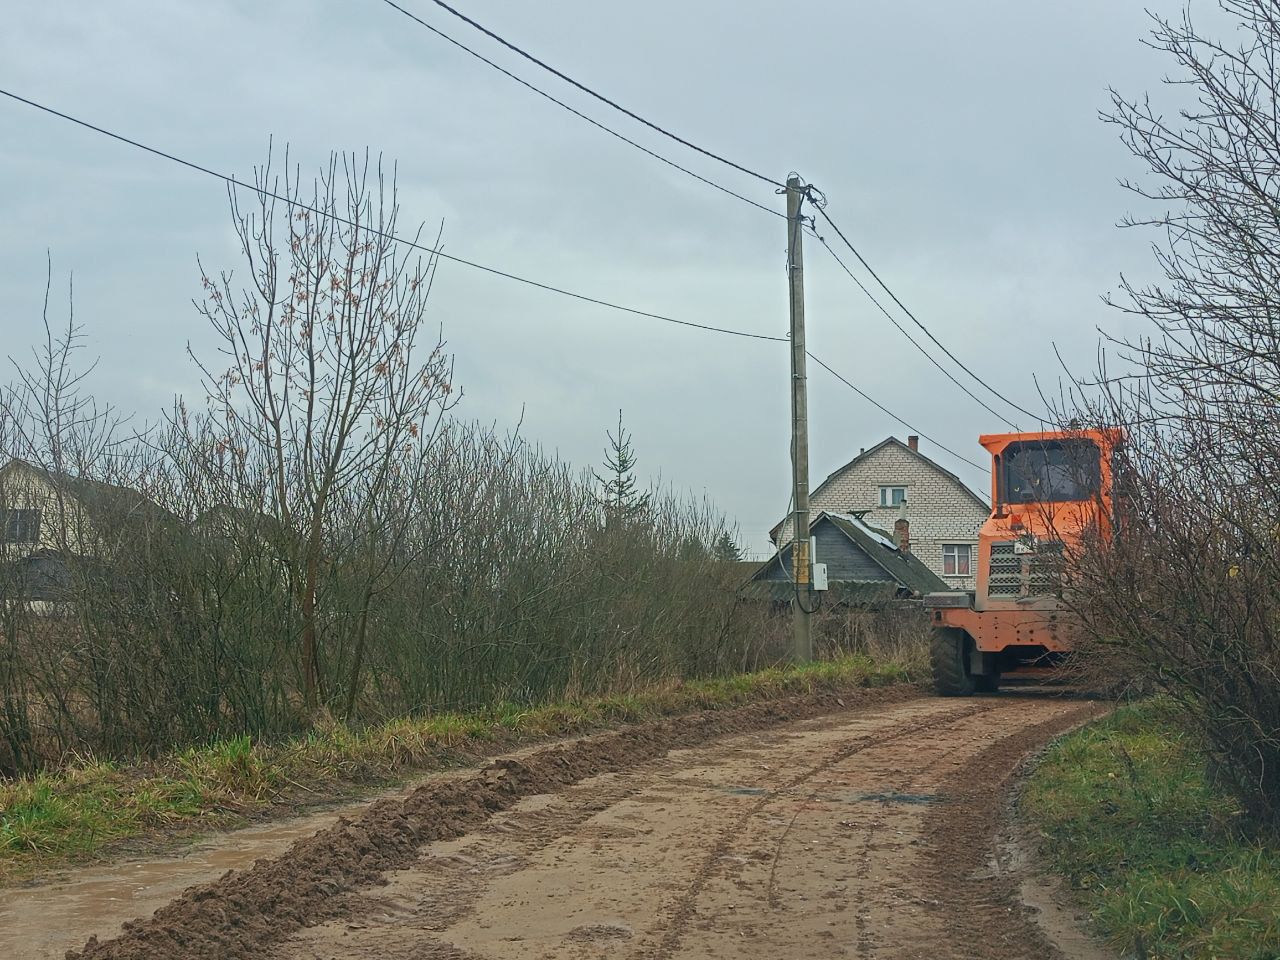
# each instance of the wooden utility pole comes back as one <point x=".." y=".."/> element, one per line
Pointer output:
<point x="801" y="601"/>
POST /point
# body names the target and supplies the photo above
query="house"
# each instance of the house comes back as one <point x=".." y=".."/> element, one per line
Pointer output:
<point x="864" y="564"/>
<point x="893" y="481"/>
<point x="47" y="520"/>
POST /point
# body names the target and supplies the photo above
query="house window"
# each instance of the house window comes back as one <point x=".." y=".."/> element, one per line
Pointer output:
<point x="956" y="559"/>
<point x="19" y="526"/>
<point x="893" y="496"/>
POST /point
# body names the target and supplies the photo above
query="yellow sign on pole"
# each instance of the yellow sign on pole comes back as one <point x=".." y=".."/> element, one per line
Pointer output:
<point x="800" y="554"/>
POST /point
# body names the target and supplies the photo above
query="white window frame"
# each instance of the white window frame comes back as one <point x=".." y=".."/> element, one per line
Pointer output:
<point x="886" y="494"/>
<point x="955" y="552"/>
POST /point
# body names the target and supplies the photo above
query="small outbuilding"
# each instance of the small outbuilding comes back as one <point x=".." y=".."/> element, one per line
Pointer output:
<point x="894" y="480"/>
<point x="864" y="564"/>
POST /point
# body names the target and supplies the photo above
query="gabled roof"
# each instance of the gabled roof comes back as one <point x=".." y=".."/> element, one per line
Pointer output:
<point x="894" y="441"/>
<point x="908" y="569"/>
<point x="98" y="498"/>
<point x="905" y="569"/>
<point x="870" y="451"/>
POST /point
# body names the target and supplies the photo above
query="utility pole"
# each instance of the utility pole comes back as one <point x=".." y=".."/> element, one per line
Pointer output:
<point x="800" y="559"/>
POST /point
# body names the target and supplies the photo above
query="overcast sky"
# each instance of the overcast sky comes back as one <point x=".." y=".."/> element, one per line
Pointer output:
<point x="958" y="144"/>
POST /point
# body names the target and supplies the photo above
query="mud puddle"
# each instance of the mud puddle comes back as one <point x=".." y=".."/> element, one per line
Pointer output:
<point x="44" y="922"/>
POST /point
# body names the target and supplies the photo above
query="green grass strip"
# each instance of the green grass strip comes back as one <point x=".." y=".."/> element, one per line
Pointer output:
<point x="1159" y="856"/>
<point x="71" y="814"/>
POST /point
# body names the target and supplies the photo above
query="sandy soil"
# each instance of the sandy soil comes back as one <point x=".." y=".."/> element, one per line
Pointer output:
<point x="840" y="837"/>
<point x="809" y="828"/>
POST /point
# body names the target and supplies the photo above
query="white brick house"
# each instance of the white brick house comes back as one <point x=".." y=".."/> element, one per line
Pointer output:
<point x="894" y="480"/>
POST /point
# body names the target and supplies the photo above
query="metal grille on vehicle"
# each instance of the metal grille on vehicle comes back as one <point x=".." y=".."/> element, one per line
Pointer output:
<point x="1014" y="574"/>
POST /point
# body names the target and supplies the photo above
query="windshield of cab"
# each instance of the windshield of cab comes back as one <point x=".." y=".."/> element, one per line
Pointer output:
<point x="1050" y="471"/>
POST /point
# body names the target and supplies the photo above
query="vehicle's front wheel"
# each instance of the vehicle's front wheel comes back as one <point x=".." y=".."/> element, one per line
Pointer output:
<point x="948" y="655"/>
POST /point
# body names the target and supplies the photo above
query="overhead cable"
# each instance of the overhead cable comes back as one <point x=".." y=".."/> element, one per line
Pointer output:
<point x="906" y="333"/>
<point x="885" y="410"/>
<point x="577" y="113"/>
<point x="958" y="362"/>
<point x="434" y="251"/>
<point x="603" y="99"/>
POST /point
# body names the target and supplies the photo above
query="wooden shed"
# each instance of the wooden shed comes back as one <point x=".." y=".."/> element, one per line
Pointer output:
<point x="864" y="564"/>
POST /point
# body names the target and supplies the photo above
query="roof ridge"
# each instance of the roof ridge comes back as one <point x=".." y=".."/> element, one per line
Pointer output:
<point x="868" y="451"/>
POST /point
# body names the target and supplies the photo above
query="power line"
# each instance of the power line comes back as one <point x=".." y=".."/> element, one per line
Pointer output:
<point x="233" y="182"/>
<point x="434" y="251"/>
<point x="603" y="99"/>
<point x="577" y="113"/>
<point x="893" y="296"/>
<point x="759" y="176"/>
<point x="885" y="410"/>
<point x="906" y="333"/>
<point x="820" y="206"/>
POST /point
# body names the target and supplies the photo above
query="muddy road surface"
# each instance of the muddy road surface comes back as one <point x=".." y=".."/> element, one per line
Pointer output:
<point x="824" y="827"/>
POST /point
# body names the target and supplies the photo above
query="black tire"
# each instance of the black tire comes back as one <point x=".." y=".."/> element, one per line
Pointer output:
<point x="947" y="653"/>
<point x="987" y="683"/>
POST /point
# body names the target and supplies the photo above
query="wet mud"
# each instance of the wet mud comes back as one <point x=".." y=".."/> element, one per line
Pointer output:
<point x="245" y="912"/>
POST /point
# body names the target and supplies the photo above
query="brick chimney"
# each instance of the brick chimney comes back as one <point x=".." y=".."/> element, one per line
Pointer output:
<point x="902" y="534"/>
<point x="913" y="442"/>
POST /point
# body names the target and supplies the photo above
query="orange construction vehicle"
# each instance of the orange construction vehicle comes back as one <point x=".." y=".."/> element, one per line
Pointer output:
<point x="1048" y="492"/>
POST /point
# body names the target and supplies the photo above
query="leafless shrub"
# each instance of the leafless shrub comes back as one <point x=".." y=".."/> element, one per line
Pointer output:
<point x="1186" y="594"/>
<point x="894" y="632"/>
<point x="324" y="385"/>
<point x="323" y="536"/>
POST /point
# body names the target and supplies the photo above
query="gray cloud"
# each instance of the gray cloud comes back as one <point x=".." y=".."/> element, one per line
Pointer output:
<point x="958" y="144"/>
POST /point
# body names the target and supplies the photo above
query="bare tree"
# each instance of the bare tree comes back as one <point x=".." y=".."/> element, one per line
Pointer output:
<point x="323" y="365"/>
<point x="50" y="419"/>
<point x="1187" y="592"/>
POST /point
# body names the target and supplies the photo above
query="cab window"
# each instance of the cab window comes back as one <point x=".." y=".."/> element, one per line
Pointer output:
<point x="1048" y="471"/>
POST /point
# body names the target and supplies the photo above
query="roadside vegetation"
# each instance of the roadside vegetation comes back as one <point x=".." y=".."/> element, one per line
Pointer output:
<point x="321" y="537"/>
<point x="85" y="807"/>
<point x="1160" y="852"/>
<point x="1183" y="597"/>
<point x="1166" y="816"/>
<point x="319" y="578"/>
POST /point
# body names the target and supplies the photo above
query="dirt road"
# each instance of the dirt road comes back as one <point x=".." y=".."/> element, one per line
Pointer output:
<point x="806" y="830"/>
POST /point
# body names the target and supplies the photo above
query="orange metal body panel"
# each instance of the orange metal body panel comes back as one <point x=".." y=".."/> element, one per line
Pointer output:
<point x="992" y="630"/>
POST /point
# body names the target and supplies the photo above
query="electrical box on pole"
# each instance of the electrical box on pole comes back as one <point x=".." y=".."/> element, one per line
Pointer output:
<point x="819" y="577"/>
<point x="819" y="570"/>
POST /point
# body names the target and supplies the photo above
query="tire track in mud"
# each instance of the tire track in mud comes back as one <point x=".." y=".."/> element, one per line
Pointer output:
<point x="448" y="882"/>
<point x="804" y="840"/>
<point x="244" y="912"/>
<point x="686" y="905"/>
<point x="867" y="941"/>
<point x="454" y="879"/>
<point x="963" y="834"/>
<point x="874" y="885"/>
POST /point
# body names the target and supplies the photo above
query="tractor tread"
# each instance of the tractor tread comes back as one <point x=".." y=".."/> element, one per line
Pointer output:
<point x="946" y="657"/>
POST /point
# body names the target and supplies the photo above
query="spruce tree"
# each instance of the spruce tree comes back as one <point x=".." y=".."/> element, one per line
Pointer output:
<point x="725" y="549"/>
<point x="620" y="496"/>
